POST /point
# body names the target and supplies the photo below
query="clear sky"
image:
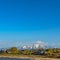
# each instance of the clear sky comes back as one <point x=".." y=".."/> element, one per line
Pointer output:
<point x="29" y="21"/>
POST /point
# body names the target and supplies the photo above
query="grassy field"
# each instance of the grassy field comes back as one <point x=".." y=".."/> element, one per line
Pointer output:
<point x="32" y="57"/>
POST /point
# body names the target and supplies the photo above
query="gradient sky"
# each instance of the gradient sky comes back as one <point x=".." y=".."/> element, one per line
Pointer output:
<point x="29" y="21"/>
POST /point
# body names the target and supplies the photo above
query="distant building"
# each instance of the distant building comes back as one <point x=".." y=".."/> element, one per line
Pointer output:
<point x="24" y="47"/>
<point x="29" y="47"/>
<point x="36" y="46"/>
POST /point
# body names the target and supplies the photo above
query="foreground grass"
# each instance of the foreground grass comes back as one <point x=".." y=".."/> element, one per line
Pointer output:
<point x="35" y="57"/>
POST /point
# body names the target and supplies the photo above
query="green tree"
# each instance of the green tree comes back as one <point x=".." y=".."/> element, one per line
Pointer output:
<point x="13" y="50"/>
<point x="50" y="52"/>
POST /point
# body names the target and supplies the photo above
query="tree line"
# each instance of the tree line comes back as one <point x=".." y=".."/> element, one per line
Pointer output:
<point x="50" y="52"/>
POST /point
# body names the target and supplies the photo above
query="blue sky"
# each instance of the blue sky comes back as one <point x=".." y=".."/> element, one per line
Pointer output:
<point x="29" y="21"/>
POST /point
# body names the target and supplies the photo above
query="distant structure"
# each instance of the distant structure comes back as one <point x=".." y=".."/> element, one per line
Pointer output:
<point x="24" y="47"/>
<point x="27" y="47"/>
<point x="39" y="44"/>
<point x="36" y="46"/>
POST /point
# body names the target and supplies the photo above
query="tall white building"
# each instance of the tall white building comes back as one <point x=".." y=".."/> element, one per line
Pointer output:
<point x="36" y="46"/>
<point x="39" y="44"/>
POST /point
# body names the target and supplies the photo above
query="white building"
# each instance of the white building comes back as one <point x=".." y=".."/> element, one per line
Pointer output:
<point x="36" y="46"/>
<point x="24" y="47"/>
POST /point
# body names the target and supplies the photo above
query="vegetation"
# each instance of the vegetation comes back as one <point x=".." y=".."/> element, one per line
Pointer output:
<point x="51" y="52"/>
<point x="13" y="50"/>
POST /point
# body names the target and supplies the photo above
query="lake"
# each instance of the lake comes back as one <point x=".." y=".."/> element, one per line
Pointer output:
<point x="13" y="59"/>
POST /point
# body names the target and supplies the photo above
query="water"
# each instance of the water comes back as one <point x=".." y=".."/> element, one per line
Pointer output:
<point x="13" y="59"/>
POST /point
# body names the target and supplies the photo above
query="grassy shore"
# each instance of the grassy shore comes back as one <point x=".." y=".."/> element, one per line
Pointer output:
<point x="32" y="57"/>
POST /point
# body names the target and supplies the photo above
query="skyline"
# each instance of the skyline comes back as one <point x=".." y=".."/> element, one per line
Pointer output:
<point x="29" y="21"/>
